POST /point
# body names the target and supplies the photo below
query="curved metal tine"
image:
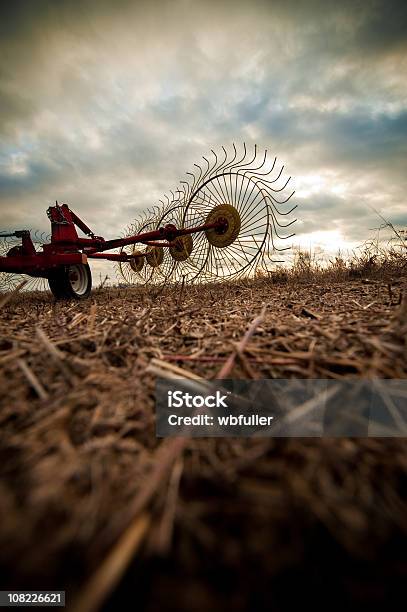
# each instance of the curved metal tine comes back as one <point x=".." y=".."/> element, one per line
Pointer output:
<point x="214" y="173"/>
<point x="252" y="161"/>
<point x="240" y="169"/>
<point x="217" y="177"/>
<point x="257" y="168"/>
<point x="221" y="166"/>
<point x="177" y="199"/>
<point x="231" y="162"/>
<point x="280" y="212"/>
<point x="179" y="195"/>
<point x="271" y="168"/>
<point x="277" y="177"/>
<point x="207" y="182"/>
<point x="244" y="254"/>
<point x="223" y="171"/>
<point x="245" y="179"/>
<point x="173" y="196"/>
<point x="257" y="223"/>
<point x="240" y="162"/>
<point x="198" y="178"/>
<point x="193" y="183"/>
<point x="205" y="177"/>
<point x="204" y="197"/>
<point x="280" y="202"/>
<point x="228" y="261"/>
<point x="248" y="171"/>
<point x="258" y="176"/>
<point x="270" y="241"/>
<point x="171" y="210"/>
<point x="260" y="181"/>
<point x="219" y="169"/>
<point x="282" y="249"/>
<point x="186" y="191"/>
<point x="197" y="271"/>
<point x="192" y="265"/>
<point x="219" y="196"/>
<point x="164" y="205"/>
<point x="275" y="211"/>
<point x="255" y="184"/>
<point x="206" y="173"/>
<point x="275" y="190"/>
<point x="217" y="164"/>
<point x="193" y="187"/>
<point x="274" y="216"/>
<point x="200" y="173"/>
<point x="246" y="203"/>
<point x="214" y="165"/>
<point x="248" y="179"/>
<point x="275" y="223"/>
<point x="234" y="166"/>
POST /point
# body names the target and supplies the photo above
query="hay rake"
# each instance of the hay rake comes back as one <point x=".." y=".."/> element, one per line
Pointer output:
<point x="223" y="222"/>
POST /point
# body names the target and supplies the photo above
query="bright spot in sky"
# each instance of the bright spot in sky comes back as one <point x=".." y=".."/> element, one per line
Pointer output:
<point x="327" y="242"/>
<point x="18" y="163"/>
<point x="311" y="184"/>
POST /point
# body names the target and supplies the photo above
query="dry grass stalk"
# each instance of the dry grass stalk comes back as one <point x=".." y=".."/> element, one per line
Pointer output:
<point x="9" y="296"/>
<point x="87" y="464"/>
<point x="109" y="573"/>
<point x="162" y="542"/>
<point x="32" y="379"/>
<point x="226" y="369"/>
<point x="165" y="457"/>
<point x="56" y="355"/>
<point x="92" y="318"/>
<point x="163" y="369"/>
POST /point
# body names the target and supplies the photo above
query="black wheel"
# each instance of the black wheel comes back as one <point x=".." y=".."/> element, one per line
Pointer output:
<point x="71" y="282"/>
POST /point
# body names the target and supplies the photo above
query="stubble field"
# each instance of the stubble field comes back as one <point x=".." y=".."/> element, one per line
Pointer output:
<point x="210" y="523"/>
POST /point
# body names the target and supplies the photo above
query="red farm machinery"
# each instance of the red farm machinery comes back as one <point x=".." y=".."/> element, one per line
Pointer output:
<point x="220" y="224"/>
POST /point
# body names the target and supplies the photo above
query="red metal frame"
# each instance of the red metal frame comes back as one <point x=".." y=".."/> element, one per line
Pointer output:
<point x="67" y="248"/>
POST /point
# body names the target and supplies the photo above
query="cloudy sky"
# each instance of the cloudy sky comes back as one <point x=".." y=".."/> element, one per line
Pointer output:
<point x="106" y="105"/>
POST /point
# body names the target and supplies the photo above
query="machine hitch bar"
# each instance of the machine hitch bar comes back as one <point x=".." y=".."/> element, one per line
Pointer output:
<point x="66" y="256"/>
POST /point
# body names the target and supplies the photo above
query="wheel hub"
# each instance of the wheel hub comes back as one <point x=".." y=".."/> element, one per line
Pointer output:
<point x="228" y="223"/>
<point x="78" y="279"/>
<point x="137" y="261"/>
<point x="155" y="256"/>
<point x="182" y="248"/>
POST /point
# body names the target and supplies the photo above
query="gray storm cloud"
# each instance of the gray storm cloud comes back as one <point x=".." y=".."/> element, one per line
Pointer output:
<point x="105" y="105"/>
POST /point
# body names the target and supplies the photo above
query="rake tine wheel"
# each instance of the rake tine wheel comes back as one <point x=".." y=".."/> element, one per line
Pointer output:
<point x="8" y="281"/>
<point x="243" y="196"/>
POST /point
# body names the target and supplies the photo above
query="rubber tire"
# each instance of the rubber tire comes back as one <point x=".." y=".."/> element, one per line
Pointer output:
<point x="61" y="286"/>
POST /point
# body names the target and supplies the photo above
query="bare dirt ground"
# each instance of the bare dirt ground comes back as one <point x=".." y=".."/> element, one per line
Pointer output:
<point x="218" y="524"/>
